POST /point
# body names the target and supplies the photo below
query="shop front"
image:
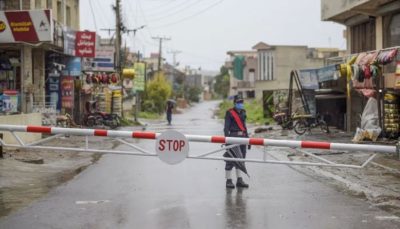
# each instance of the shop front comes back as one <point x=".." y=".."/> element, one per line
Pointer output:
<point x="23" y="36"/>
<point x="10" y="81"/>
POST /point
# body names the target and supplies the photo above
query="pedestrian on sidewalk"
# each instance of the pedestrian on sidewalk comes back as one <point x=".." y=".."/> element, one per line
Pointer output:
<point x="235" y="126"/>
<point x="168" y="110"/>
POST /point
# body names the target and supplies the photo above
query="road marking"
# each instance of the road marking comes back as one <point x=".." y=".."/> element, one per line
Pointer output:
<point x="387" y="217"/>
<point x="91" y="201"/>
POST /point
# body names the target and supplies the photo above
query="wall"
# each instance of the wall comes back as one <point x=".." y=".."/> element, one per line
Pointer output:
<point x="330" y="8"/>
<point x="22" y="119"/>
<point x="286" y="59"/>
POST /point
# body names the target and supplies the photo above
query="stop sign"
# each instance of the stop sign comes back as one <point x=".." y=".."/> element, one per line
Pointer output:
<point x="172" y="147"/>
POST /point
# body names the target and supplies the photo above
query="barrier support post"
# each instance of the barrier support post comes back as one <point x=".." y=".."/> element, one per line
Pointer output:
<point x="1" y="146"/>
<point x="398" y="149"/>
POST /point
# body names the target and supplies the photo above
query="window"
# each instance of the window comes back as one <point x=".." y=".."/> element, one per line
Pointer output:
<point x="68" y="16"/>
<point x="49" y="4"/>
<point x="265" y="66"/>
<point x="2" y="5"/>
<point x="391" y="26"/>
<point x="363" y="36"/>
<point x="59" y="12"/>
<point x="38" y="4"/>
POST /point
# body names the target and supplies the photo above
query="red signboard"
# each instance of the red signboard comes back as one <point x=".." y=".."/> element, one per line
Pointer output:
<point x="27" y="26"/>
<point x="85" y="44"/>
<point x="67" y="92"/>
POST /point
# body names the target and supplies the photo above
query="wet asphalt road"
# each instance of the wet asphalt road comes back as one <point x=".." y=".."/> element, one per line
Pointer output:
<point x="143" y="192"/>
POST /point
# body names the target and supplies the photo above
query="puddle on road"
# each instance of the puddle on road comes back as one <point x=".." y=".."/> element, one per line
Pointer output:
<point x="17" y="197"/>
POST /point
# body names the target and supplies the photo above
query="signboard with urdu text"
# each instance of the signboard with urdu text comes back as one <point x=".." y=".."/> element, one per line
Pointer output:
<point x="26" y="26"/>
<point x="85" y="44"/>
<point x="139" y="80"/>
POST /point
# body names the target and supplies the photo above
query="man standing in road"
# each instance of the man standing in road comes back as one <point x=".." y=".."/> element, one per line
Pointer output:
<point x="235" y="126"/>
<point x="168" y="110"/>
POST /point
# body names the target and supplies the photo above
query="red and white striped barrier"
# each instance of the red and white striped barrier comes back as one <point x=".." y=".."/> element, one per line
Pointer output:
<point x="203" y="138"/>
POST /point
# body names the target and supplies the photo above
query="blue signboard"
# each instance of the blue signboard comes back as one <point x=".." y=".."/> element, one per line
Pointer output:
<point x="73" y="67"/>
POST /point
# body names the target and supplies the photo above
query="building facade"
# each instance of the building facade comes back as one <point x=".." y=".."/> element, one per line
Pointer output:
<point x="371" y="26"/>
<point x="31" y="63"/>
<point x="246" y="63"/>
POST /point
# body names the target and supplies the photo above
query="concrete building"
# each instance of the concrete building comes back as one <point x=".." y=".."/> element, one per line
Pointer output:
<point x="246" y="86"/>
<point x="275" y="62"/>
<point x="370" y="25"/>
<point x="33" y="60"/>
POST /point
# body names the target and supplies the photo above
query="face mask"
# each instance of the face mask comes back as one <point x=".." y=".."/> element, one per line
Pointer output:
<point x="239" y="106"/>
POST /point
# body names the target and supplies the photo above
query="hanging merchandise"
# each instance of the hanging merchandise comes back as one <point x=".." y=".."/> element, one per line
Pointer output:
<point x="114" y="78"/>
<point x="386" y="56"/>
<point x="88" y="79"/>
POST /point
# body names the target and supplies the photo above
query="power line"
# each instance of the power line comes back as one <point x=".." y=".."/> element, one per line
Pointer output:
<point x="176" y="12"/>
<point x="191" y="16"/>
<point x="94" y="18"/>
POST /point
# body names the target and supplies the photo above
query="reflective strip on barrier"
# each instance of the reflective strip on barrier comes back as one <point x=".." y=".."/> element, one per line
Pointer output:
<point x="202" y="138"/>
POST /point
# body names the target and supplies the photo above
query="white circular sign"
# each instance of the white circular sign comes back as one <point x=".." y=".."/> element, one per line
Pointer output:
<point x="172" y="147"/>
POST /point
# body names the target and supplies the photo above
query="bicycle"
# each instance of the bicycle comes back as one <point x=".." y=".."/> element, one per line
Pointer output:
<point x="307" y="122"/>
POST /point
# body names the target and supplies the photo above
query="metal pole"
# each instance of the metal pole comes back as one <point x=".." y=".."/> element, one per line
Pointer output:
<point x="203" y="138"/>
<point x="118" y="51"/>
<point x="1" y="146"/>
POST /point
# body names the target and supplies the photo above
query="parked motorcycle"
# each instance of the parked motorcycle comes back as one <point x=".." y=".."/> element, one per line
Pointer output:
<point x="308" y="122"/>
<point x="93" y="117"/>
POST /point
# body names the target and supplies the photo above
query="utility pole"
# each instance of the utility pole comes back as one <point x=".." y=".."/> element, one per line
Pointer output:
<point x="119" y="29"/>
<point x="174" y="54"/>
<point x="118" y="26"/>
<point x="160" y="39"/>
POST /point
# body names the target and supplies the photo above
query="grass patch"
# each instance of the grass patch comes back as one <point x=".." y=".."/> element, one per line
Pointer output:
<point x="126" y="122"/>
<point x="254" y="111"/>
<point x="148" y="115"/>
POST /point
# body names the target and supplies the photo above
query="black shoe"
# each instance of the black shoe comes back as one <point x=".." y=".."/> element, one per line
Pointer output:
<point x="229" y="183"/>
<point x="240" y="183"/>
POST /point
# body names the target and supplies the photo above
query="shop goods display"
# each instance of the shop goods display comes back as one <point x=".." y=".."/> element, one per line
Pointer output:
<point x="101" y="78"/>
<point x="391" y="111"/>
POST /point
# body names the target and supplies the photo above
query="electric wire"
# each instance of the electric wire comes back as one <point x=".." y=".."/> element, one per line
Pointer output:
<point x="94" y="17"/>
<point x="189" y="17"/>
<point x="173" y="13"/>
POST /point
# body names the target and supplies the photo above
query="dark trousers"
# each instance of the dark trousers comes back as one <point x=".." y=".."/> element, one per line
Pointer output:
<point x="169" y="117"/>
<point x="230" y="164"/>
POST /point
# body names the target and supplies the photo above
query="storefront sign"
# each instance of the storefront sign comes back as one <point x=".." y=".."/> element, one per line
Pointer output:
<point x="27" y="26"/>
<point x="10" y="101"/>
<point x="73" y="67"/>
<point x="69" y="41"/>
<point x="67" y="92"/>
<point x="103" y="62"/>
<point x="139" y="80"/>
<point x="85" y="44"/>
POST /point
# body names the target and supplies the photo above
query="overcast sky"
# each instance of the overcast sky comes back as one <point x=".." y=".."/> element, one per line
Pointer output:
<point x="204" y="30"/>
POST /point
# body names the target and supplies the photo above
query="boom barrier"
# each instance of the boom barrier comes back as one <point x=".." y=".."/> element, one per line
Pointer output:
<point x="232" y="141"/>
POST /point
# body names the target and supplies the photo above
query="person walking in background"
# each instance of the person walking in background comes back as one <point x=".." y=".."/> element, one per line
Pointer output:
<point x="168" y="110"/>
<point x="235" y="126"/>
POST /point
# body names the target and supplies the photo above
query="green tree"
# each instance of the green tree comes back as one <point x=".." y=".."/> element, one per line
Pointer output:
<point x="221" y="86"/>
<point x="158" y="91"/>
<point x="193" y="94"/>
